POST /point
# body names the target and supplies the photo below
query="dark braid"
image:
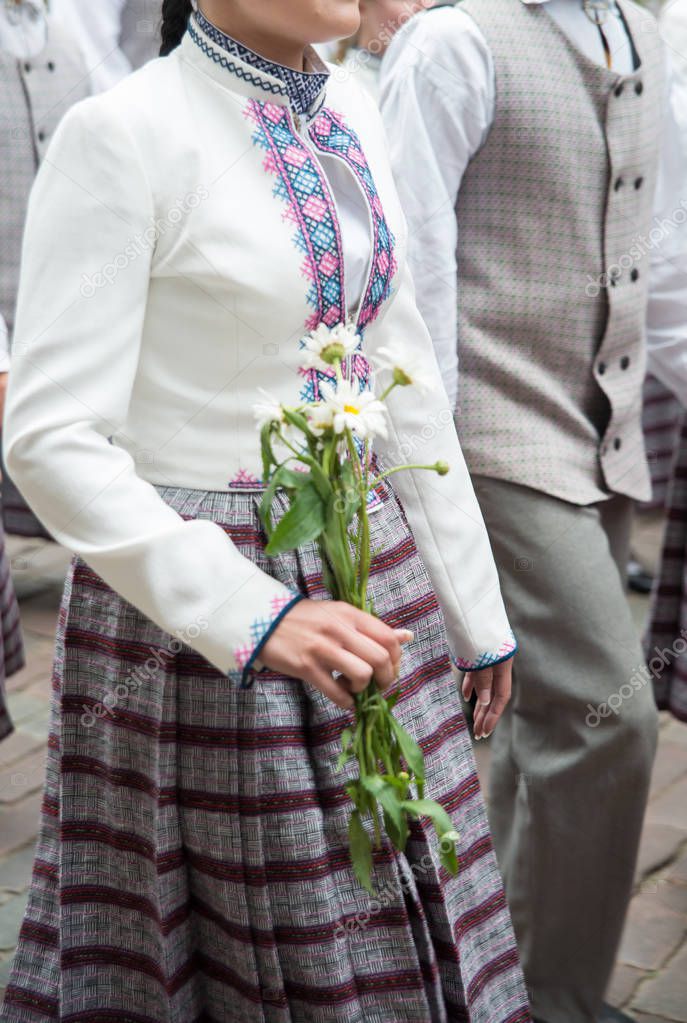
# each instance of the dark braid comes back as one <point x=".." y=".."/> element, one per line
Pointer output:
<point x="175" y="15"/>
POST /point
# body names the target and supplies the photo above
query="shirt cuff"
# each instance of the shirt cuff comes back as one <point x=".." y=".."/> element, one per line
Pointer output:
<point x="508" y="649"/>
<point x="261" y="630"/>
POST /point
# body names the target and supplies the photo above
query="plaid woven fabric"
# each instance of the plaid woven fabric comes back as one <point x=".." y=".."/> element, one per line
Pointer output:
<point x="661" y="418"/>
<point x="11" y="640"/>
<point x="666" y="640"/>
<point x="193" y="863"/>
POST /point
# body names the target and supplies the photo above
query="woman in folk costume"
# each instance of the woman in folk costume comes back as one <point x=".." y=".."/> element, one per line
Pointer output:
<point x="190" y="227"/>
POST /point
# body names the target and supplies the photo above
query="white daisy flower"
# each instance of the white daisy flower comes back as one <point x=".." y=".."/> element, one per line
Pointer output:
<point x="320" y="418"/>
<point x="325" y="346"/>
<point x="405" y="366"/>
<point x="267" y="411"/>
<point x="360" y="410"/>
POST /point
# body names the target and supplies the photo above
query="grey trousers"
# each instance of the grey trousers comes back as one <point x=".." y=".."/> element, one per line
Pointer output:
<point x="572" y="757"/>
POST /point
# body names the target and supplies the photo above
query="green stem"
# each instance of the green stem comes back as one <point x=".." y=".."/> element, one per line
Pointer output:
<point x="399" y="468"/>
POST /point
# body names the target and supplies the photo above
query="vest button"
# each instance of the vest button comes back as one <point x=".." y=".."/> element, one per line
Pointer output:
<point x="614" y="277"/>
<point x="27" y="67"/>
<point x="625" y="362"/>
<point x="634" y="274"/>
<point x="601" y="368"/>
<point x="639" y="182"/>
<point x="639" y="88"/>
<point x="619" y="89"/>
<point x="618" y="184"/>
<point x="617" y="443"/>
<point x="41" y="136"/>
<point x="51" y="65"/>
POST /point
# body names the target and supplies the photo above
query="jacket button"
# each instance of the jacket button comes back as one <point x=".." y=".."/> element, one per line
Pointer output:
<point x="639" y="88"/>
<point x="617" y="443"/>
<point x="41" y="136"/>
<point x="625" y="362"/>
<point x="601" y="368"/>
<point x="618" y="184"/>
<point x="27" y="67"/>
<point x="639" y="182"/>
<point x="619" y="89"/>
<point x="51" y="65"/>
<point x="634" y="274"/>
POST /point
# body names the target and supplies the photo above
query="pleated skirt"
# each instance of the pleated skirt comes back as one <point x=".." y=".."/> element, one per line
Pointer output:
<point x="192" y="862"/>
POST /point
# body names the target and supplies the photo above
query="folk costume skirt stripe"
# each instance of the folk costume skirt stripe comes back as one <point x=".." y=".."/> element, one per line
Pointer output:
<point x="11" y="640"/>
<point x="192" y="862"/>
<point x="666" y="640"/>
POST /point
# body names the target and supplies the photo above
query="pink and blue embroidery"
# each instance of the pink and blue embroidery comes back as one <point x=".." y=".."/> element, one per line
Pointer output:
<point x="301" y="184"/>
<point x="507" y="649"/>
<point x="260" y="631"/>
<point x="332" y="135"/>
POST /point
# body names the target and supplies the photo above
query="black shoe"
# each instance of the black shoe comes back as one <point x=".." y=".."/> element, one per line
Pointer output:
<point x="639" y="581"/>
<point x="610" y="1015"/>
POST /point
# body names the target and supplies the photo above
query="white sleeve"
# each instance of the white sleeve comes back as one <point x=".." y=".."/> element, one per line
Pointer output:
<point x="4" y="346"/>
<point x="74" y="361"/>
<point x="667" y="308"/>
<point x="437" y="101"/>
<point x="442" y="511"/>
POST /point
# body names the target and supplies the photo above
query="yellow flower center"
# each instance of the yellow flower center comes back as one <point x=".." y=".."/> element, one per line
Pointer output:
<point x="352" y="408"/>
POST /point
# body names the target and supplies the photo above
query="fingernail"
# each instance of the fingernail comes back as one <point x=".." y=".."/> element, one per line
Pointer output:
<point x="404" y="635"/>
<point x="487" y="734"/>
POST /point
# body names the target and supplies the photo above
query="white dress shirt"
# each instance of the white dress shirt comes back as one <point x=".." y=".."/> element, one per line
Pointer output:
<point x="97" y="26"/>
<point x="438" y="100"/>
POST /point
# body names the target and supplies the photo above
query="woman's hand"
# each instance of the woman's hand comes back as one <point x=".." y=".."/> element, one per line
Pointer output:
<point x="493" y="688"/>
<point x="319" y="637"/>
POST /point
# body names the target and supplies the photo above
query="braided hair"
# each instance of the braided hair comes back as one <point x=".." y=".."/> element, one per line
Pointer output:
<point x="175" y="15"/>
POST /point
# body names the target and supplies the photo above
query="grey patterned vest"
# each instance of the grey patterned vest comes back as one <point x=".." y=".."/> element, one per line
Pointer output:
<point x="553" y="217"/>
<point x="34" y="94"/>
<point x="140" y="37"/>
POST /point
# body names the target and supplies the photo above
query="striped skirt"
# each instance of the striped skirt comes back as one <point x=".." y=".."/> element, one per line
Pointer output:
<point x="666" y="641"/>
<point x="192" y="861"/>
<point x="11" y="641"/>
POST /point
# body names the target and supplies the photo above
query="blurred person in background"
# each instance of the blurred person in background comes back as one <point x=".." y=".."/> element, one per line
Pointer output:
<point x="41" y="74"/>
<point x="115" y="36"/>
<point x="533" y="143"/>
<point x="379" y="21"/>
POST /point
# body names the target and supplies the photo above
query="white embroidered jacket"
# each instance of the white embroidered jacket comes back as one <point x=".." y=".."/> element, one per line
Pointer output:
<point x="181" y="239"/>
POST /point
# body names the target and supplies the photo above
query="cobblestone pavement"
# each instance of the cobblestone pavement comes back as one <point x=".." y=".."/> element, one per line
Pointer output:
<point x="650" y="979"/>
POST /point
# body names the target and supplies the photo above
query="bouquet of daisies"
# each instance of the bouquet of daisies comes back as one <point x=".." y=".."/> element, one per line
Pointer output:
<point x="319" y="454"/>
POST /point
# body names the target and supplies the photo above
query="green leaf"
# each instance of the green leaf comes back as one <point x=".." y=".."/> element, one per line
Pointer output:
<point x="447" y="852"/>
<point x="268" y="459"/>
<point x="428" y="808"/>
<point x="296" y="419"/>
<point x="290" y="479"/>
<point x="392" y="805"/>
<point x="412" y="754"/>
<point x="303" y="522"/>
<point x="346" y="751"/>
<point x="361" y="851"/>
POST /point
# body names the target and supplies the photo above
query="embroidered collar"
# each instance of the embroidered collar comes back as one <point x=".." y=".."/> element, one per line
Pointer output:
<point x="302" y="87"/>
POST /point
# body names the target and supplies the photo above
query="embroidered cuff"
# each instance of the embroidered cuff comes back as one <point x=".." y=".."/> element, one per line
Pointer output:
<point x="260" y="631"/>
<point x="508" y="649"/>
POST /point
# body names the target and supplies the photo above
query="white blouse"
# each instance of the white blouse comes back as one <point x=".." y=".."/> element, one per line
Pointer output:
<point x="186" y="229"/>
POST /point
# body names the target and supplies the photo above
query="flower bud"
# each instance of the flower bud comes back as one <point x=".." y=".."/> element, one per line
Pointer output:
<point x="442" y="468"/>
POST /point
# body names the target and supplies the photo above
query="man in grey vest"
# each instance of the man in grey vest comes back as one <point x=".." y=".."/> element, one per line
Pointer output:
<point x="531" y="148"/>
